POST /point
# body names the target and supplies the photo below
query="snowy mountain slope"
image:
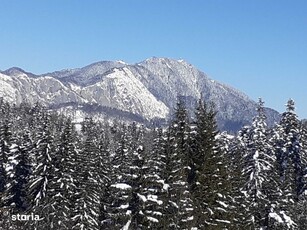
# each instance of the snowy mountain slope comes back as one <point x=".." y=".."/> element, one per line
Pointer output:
<point x="148" y="89"/>
<point x="87" y="75"/>
<point x="120" y="89"/>
<point x="7" y="90"/>
<point x="46" y="90"/>
<point x="166" y="79"/>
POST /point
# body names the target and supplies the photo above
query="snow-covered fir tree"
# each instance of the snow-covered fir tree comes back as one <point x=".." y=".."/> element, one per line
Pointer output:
<point x="208" y="176"/>
<point x="104" y="171"/>
<point x="64" y="183"/>
<point x="258" y="160"/>
<point x="180" y="200"/>
<point x="87" y="195"/>
<point x="40" y="187"/>
<point x="290" y="150"/>
<point x="119" y="189"/>
<point x="287" y="142"/>
<point x="154" y="185"/>
<point x="20" y="169"/>
<point x="5" y="145"/>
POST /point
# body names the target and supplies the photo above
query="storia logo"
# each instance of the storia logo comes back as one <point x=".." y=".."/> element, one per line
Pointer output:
<point x="23" y="217"/>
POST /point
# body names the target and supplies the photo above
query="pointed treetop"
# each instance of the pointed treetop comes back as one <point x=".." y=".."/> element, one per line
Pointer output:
<point x="260" y="105"/>
<point x="180" y="105"/>
<point x="290" y="105"/>
<point x="260" y="102"/>
<point x="260" y="108"/>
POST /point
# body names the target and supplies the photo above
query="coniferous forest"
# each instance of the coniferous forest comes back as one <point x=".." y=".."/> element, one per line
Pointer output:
<point x="112" y="175"/>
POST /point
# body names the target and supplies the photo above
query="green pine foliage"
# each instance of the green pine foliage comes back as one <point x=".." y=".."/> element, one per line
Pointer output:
<point x="154" y="186"/>
<point x="258" y="166"/>
<point x="15" y="194"/>
<point x="65" y="185"/>
<point x="87" y="195"/>
<point x="5" y="144"/>
<point x="187" y="175"/>
<point x="180" y="196"/>
<point x="208" y="179"/>
<point x="41" y="184"/>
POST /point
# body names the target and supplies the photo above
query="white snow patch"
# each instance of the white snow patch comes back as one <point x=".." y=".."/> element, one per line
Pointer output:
<point x="174" y="204"/>
<point x="191" y="218"/>
<point x="275" y="216"/>
<point x="288" y="219"/>
<point x="121" y="62"/>
<point x="122" y="186"/>
<point x="124" y="206"/>
<point x="128" y="213"/>
<point x="154" y="198"/>
<point x="223" y="221"/>
<point x="142" y="197"/>
<point x="166" y="186"/>
<point x="75" y="88"/>
<point x="152" y="219"/>
<point x="223" y="204"/>
<point x="126" y="227"/>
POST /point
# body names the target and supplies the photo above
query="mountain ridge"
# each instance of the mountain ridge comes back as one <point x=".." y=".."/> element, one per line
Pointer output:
<point x="148" y="89"/>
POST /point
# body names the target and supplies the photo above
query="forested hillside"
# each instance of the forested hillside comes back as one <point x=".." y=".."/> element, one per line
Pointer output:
<point x="126" y="176"/>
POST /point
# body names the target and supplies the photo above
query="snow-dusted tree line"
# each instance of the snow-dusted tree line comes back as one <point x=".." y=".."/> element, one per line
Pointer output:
<point x="126" y="176"/>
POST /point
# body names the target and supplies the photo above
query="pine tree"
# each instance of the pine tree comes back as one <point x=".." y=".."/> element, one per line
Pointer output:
<point x="63" y="182"/>
<point x="119" y="189"/>
<point x="14" y="166"/>
<point x="104" y="177"/>
<point x="21" y="168"/>
<point x="170" y="208"/>
<point x="237" y="206"/>
<point x="154" y="185"/>
<point x="40" y="187"/>
<point x="127" y="207"/>
<point x="180" y="196"/>
<point x="288" y="149"/>
<point x="136" y="204"/>
<point x="86" y="215"/>
<point x="5" y="144"/>
<point x="6" y="171"/>
<point x="303" y="130"/>
<point x="208" y="181"/>
<point x="258" y="167"/>
<point x="289" y="153"/>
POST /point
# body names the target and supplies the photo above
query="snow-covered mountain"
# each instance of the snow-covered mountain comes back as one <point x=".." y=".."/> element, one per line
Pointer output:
<point x="148" y="89"/>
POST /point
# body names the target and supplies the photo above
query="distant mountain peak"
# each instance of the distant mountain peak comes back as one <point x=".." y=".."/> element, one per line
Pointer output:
<point x="160" y="59"/>
<point x="16" y="71"/>
<point x="103" y="63"/>
<point x="121" y="62"/>
<point x="13" y="71"/>
<point x="167" y="62"/>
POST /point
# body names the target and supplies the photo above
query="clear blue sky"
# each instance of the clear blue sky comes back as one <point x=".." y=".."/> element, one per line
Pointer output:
<point x="257" y="46"/>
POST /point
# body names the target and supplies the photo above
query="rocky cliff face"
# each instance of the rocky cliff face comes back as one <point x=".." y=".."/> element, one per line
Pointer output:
<point x="147" y="90"/>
